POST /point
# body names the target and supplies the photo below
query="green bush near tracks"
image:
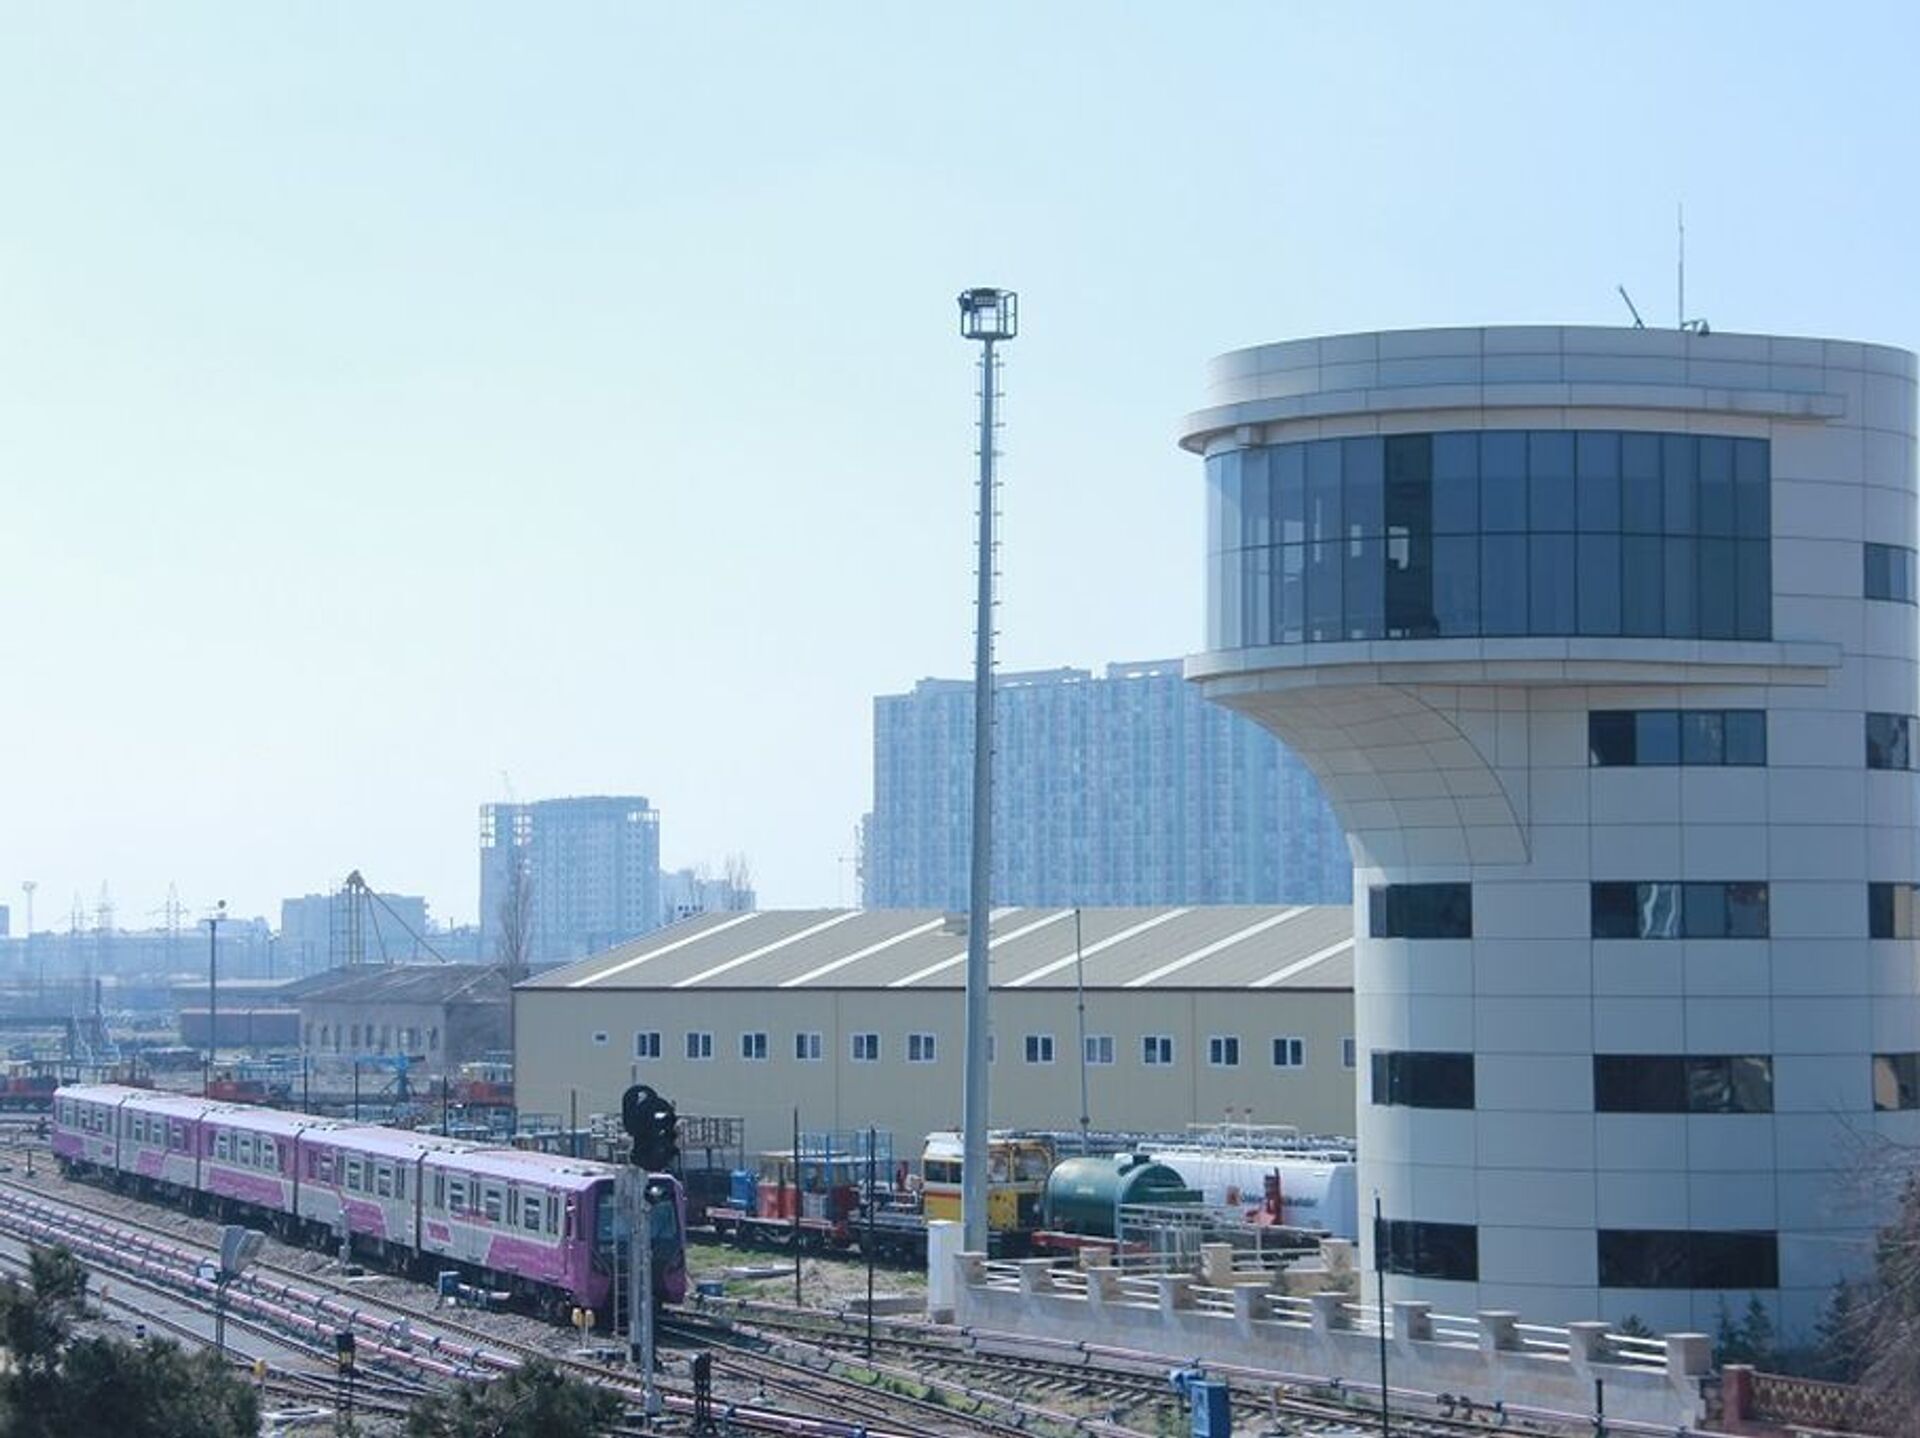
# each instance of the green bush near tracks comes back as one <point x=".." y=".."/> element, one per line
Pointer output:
<point x="55" y="1385"/>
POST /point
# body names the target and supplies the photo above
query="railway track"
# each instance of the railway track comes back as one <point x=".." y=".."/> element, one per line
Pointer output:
<point x="395" y="1334"/>
<point x="1130" y="1395"/>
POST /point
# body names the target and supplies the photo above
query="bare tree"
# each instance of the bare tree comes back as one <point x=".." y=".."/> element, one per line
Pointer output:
<point x="739" y="882"/>
<point x="514" y="947"/>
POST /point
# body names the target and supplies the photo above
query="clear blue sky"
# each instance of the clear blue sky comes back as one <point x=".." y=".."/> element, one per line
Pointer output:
<point x="391" y="396"/>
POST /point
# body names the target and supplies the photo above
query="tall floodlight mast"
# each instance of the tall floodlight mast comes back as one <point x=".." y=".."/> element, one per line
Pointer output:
<point x="989" y="316"/>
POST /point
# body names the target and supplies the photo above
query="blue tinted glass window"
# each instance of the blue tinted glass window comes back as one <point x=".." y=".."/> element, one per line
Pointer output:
<point x="1503" y="584"/>
<point x="1323" y="591"/>
<point x="1716" y="486"/>
<point x="1503" y="480"/>
<point x="1550" y="492"/>
<point x="1256" y="500"/>
<point x="1642" y="585"/>
<point x="1456" y="483"/>
<point x="1323" y="489"/>
<point x="1718" y="589"/>
<point x="1287" y="477"/>
<point x="1456" y="584"/>
<point x="1552" y="606"/>
<point x="1597" y="458"/>
<point x="1656" y="736"/>
<point x="1679" y="483"/>
<point x="1600" y="584"/>
<point x="1362" y="475"/>
<point x="1640" y="501"/>
<point x="1579" y="532"/>
<point x="1290" y="614"/>
<point x="1752" y="495"/>
<point x="1365" y="589"/>
<point x="1681" y="596"/>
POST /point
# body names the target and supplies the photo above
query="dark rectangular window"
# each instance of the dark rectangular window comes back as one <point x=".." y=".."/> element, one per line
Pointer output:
<point x="1644" y="737"/>
<point x="1889" y="573"/>
<point x="1429" y="1250"/>
<point x="1687" y="1258"/>
<point x="1890" y="911"/>
<point x="1682" y="1083"/>
<point x="1889" y="741"/>
<point x="1420" y="911"/>
<point x="1412" y="1079"/>
<point x="1896" y="1082"/>
<point x="1663" y="909"/>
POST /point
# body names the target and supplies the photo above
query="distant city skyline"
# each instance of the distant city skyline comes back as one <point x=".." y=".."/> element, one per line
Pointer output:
<point x="392" y="399"/>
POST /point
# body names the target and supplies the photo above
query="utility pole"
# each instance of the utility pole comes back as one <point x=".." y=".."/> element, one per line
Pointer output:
<point x="27" y="886"/>
<point x="1080" y="1004"/>
<point x="213" y="992"/>
<point x="988" y="316"/>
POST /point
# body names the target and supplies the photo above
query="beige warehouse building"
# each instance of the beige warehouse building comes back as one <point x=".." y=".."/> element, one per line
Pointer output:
<point x="855" y="1017"/>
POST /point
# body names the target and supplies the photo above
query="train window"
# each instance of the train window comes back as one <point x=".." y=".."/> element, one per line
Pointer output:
<point x="383" y="1181"/>
<point x="942" y="1171"/>
<point x="457" y="1196"/>
<point x="356" y="1175"/>
<point x="269" y="1154"/>
<point x="400" y="1183"/>
<point x="493" y="1201"/>
<point x="530" y="1212"/>
<point x="439" y="1190"/>
<point x="177" y="1136"/>
<point x="223" y="1144"/>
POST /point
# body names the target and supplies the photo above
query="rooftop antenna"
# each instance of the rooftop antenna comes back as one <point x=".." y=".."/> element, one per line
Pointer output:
<point x="1696" y="326"/>
<point x="1632" y="308"/>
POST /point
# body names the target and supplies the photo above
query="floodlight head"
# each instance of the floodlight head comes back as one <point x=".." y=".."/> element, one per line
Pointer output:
<point x="989" y="314"/>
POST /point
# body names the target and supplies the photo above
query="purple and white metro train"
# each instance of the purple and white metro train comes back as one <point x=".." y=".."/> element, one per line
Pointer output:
<point x="538" y="1225"/>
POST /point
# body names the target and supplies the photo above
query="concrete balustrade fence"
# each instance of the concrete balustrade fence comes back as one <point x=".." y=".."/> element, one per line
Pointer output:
<point x="1238" y="1320"/>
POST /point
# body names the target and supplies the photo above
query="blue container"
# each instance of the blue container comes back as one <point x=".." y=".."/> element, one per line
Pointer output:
<point x="742" y="1192"/>
<point x="1212" y="1413"/>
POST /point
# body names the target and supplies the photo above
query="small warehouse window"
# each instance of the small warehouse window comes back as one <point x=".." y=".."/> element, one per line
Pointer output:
<point x="866" y="1048"/>
<point x="699" y="1045"/>
<point x="919" y="1048"/>
<point x="1156" y="1050"/>
<point x="1223" y="1051"/>
<point x="1039" y="1048"/>
<point x="753" y="1047"/>
<point x="807" y="1048"/>
<point x="1100" y="1049"/>
<point x="1289" y="1053"/>
<point x="646" y="1045"/>
<point x="599" y="1038"/>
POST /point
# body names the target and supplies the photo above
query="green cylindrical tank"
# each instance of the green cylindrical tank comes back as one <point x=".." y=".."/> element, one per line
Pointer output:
<point x="1084" y="1195"/>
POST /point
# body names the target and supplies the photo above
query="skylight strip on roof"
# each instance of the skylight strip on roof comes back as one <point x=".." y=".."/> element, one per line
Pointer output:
<point x="931" y="969"/>
<point x="664" y="949"/>
<point x="835" y="965"/>
<point x="1280" y="976"/>
<point x="1092" y="949"/>
<point x="1208" y="951"/>
<point x="753" y="954"/>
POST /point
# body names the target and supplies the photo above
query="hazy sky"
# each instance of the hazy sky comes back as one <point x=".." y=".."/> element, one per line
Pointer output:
<point x="396" y="395"/>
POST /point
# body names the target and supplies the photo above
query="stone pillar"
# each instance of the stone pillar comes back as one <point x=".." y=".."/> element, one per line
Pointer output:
<point x="1736" y="1394"/>
<point x="1216" y="1264"/>
<point x="1497" y="1330"/>
<point x="1249" y="1307"/>
<point x="1036" y="1276"/>
<point x="1587" y="1343"/>
<point x="943" y="1246"/>
<point x="1101" y="1288"/>
<point x="1689" y="1355"/>
<point x="1329" y="1312"/>
<point x="1176" y="1292"/>
<point x="970" y="1269"/>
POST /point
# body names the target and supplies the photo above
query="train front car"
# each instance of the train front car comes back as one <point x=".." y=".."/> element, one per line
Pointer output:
<point x="668" y="1216"/>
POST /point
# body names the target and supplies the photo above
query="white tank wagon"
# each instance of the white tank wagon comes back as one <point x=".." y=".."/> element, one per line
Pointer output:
<point x="1315" y="1191"/>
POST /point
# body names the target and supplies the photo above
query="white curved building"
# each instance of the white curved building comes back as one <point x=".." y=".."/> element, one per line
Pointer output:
<point x="1602" y="643"/>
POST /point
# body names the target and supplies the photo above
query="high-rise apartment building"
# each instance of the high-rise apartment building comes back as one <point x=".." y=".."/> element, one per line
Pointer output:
<point x="1122" y="790"/>
<point x="592" y="870"/>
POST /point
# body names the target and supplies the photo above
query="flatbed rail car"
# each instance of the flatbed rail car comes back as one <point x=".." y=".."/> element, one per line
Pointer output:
<point x="536" y="1226"/>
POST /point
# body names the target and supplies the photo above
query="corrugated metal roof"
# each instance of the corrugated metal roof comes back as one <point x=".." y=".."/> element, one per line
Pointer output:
<point x="1211" y="947"/>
